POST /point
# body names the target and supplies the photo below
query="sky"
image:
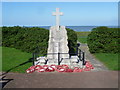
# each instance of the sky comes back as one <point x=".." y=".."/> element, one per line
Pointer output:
<point x="75" y="13"/>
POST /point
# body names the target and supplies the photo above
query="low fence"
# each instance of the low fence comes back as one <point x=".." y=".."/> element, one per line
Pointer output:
<point x="79" y="53"/>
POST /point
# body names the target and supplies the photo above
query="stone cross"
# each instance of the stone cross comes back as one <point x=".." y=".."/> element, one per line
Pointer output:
<point x="57" y="14"/>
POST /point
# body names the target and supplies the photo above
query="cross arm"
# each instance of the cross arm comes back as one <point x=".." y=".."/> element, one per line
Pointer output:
<point x="61" y="13"/>
<point x="54" y="13"/>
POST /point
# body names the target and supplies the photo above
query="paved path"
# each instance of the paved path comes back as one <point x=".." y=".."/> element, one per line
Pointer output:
<point x="101" y="79"/>
<point x="98" y="66"/>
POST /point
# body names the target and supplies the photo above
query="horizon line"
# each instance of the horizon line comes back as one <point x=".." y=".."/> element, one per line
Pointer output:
<point x="54" y="25"/>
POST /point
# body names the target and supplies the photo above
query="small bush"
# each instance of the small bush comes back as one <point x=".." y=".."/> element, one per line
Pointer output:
<point x="104" y="40"/>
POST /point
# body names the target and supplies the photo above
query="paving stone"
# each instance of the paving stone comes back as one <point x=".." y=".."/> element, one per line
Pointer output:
<point x="98" y="66"/>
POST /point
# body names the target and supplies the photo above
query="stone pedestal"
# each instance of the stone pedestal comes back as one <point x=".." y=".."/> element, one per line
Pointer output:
<point x="57" y="44"/>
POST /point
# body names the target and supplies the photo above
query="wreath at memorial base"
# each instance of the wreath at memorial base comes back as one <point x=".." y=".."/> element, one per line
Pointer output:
<point x="59" y="68"/>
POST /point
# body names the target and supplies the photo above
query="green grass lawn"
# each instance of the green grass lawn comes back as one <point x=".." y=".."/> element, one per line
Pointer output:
<point x="109" y="59"/>
<point x="82" y="36"/>
<point x="82" y="39"/>
<point x="14" y="60"/>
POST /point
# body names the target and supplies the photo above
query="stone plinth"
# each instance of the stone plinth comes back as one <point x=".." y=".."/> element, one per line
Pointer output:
<point x="57" y="44"/>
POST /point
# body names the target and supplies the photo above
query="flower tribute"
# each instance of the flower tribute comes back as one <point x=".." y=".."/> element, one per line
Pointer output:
<point x="59" y="68"/>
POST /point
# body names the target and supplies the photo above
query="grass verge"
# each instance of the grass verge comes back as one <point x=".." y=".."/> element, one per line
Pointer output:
<point x="82" y="36"/>
<point x="14" y="60"/>
<point x="82" y="39"/>
<point x="109" y="59"/>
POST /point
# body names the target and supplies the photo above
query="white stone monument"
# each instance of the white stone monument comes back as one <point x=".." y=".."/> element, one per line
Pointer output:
<point x="58" y="46"/>
<point x="57" y="41"/>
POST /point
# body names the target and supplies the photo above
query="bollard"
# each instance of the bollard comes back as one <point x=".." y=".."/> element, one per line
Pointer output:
<point x="58" y="58"/>
<point x="33" y="58"/>
<point x="80" y="55"/>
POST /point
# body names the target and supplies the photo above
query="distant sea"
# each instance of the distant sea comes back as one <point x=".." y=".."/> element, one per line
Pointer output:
<point x="77" y="28"/>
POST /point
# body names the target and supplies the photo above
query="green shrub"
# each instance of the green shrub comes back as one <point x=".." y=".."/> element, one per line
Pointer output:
<point x="72" y="40"/>
<point x="28" y="39"/>
<point x="104" y="40"/>
<point x="25" y="39"/>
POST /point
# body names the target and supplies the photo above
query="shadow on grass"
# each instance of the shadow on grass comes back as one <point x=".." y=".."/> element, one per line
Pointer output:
<point x="3" y="81"/>
<point x="30" y="60"/>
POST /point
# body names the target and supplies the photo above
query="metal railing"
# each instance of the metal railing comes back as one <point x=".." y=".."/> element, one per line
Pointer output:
<point x="80" y="54"/>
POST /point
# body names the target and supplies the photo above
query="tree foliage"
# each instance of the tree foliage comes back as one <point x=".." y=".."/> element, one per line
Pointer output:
<point x="25" y="39"/>
<point x="29" y="38"/>
<point x="72" y="40"/>
<point x="103" y="39"/>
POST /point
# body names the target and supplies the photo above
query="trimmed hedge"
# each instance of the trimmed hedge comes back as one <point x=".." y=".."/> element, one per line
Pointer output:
<point x="103" y="40"/>
<point x="28" y="39"/>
